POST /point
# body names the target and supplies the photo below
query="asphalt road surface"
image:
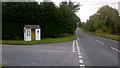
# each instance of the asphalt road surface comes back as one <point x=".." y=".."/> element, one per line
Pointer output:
<point x="86" y="50"/>
<point x="0" y="54"/>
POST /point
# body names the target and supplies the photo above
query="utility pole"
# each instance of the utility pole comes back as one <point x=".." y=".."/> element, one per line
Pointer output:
<point x="17" y="0"/>
<point x="119" y="8"/>
<point x="46" y="0"/>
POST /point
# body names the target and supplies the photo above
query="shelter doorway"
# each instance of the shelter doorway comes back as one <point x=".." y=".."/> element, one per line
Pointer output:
<point x="33" y="34"/>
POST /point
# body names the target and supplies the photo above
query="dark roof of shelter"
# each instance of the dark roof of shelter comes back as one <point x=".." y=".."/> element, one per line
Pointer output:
<point x="32" y="26"/>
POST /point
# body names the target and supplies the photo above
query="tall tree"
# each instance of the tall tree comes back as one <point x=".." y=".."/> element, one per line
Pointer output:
<point x="73" y="5"/>
<point x="105" y="20"/>
<point x="54" y="21"/>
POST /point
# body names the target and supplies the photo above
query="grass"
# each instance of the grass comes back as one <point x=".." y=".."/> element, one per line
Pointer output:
<point x="43" y="41"/>
<point x="105" y="35"/>
<point x="0" y="65"/>
<point x="0" y="41"/>
<point x="108" y="36"/>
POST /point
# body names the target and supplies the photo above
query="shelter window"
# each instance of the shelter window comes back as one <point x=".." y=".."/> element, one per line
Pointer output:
<point x="28" y="32"/>
<point x="38" y="31"/>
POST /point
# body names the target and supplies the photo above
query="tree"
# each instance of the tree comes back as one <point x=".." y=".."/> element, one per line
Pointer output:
<point x="20" y="14"/>
<point x="105" y="20"/>
<point x="74" y="7"/>
<point x="49" y="21"/>
<point x="54" y="21"/>
<point x="68" y="19"/>
<point x="0" y="20"/>
<point x="109" y="16"/>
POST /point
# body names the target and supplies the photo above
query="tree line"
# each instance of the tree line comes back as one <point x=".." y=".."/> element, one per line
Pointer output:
<point x="106" y="20"/>
<point x="54" y="21"/>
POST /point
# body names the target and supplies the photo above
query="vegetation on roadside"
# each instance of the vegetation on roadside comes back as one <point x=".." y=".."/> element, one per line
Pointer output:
<point x="104" y="23"/>
<point x="1" y="66"/>
<point x="55" y="22"/>
<point x="105" y="35"/>
<point x="0" y="41"/>
<point x="44" y="41"/>
<point x="106" y="20"/>
<point x="113" y="37"/>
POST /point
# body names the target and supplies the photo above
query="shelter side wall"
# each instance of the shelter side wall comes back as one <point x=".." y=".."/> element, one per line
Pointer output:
<point x="119" y="8"/>
<point x="27" y="34"/>
<point x="38" y="34"/>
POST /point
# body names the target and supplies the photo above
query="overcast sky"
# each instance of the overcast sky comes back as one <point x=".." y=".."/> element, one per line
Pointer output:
<point x="89" y="7"/>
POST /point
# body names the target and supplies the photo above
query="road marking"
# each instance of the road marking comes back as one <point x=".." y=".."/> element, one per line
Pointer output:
<point x="79" y="53"/>
<point x="96" y="45"/>
<point x="82" y="65"/>
<point x="80" y="57"/>
<point x="8" y="45"/>
<point x="55" y="51"/>
<point x="91" y="38"/>
<point x="73" y="48"/>
<point x="78" y="49"/>
<point x="78" y="38"/>
<point x="115" y="49"/>
<point x="100" y="42"/>
<point x="80" y="61"/>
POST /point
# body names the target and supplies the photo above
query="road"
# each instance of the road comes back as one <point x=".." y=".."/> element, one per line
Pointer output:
<point x="85" y="51"/>
<point x="0" y="54"/>
<point x="97" y="51"/>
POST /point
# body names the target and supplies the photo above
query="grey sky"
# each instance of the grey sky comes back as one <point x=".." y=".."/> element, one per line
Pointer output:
<point x="89" y="7"/>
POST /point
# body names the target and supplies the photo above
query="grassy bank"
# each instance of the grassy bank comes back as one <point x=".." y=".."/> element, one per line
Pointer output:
<point x="0" y="41"/>
<point x="108" y="36"/>
<point x="105" y="35"/>
<point x="1" y="66"/>
<point x="43" y="41"/>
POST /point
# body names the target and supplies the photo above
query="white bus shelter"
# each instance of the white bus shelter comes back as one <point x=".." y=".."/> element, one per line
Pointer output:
<point x="32" y="32"/>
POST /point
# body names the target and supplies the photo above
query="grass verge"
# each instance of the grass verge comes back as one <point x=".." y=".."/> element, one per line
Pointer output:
<point x="108" y="36"/>
<point x="43" y="41"/>
<point x="105" y="35"/>
<point x="0" y="41"/>
<point x="0" y="66"/>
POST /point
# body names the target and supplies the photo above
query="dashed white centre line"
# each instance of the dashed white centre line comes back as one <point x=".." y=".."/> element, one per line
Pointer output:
<point x="80" y="57"/>
<point x="115" y="49"/>
<point x="79" y="53"/>
<point x="82" y="65"/>
<point x="91" y="38"/>
<point x="80" y="61"/>
<point x="100" y="42"/>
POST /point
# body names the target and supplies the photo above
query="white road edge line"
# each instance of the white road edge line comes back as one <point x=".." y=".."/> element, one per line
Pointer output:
<point x="91" y="38"/>
<point x="78" y="38"/>
<point x="54" y="51"/>
<point x="115" y="49"/>
<point x="78" y="49"/>
<point x="73" y="48"/>
<point x="100" y="42"/>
